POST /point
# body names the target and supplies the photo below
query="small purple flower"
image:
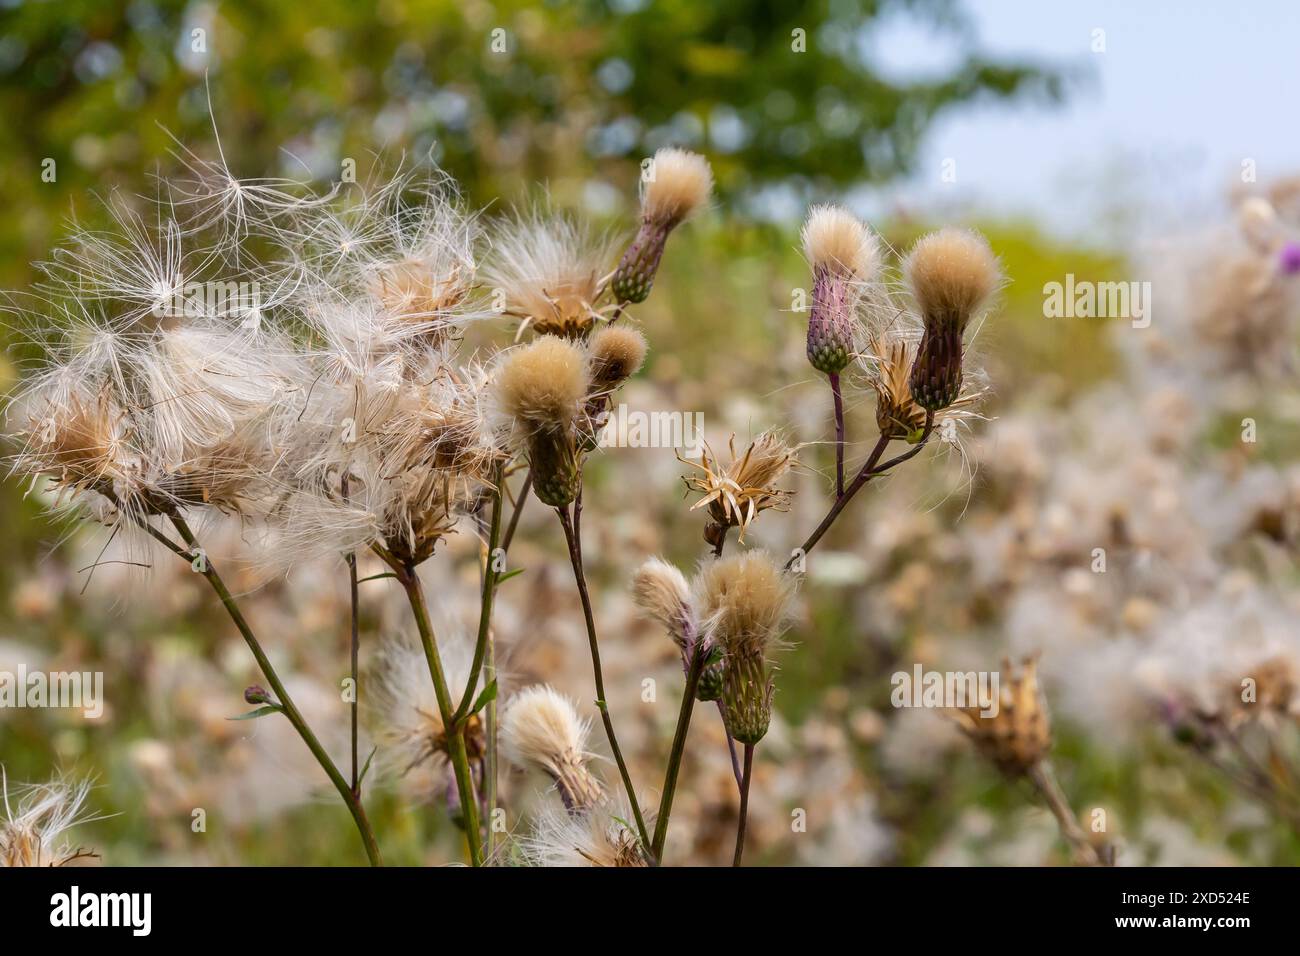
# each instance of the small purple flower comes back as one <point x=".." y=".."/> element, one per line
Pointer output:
<point x="1288" y="259"/>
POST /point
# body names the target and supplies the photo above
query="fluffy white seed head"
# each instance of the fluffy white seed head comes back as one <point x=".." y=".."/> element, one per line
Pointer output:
<point x="837" y="241"/>
<point x="951" y="273"/>
<point x="661" y="592"/>
<point x="678" y="185"/>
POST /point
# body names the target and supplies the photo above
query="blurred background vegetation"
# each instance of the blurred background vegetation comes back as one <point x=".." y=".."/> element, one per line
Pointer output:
<point x="505" y="96"/>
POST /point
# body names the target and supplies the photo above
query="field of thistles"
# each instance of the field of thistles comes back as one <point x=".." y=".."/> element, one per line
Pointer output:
<point x="387" y="519"/>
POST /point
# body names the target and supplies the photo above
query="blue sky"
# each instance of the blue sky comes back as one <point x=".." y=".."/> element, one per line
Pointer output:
<point x="1182" y="94"/>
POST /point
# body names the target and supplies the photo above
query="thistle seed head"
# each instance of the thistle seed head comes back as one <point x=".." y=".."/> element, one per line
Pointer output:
<point x="679" y="183"/>
<point x="660" y="590"/>
<point x="1020" y="734"/>
<point x="541" y="728"/>
<point x="615" y="353"/>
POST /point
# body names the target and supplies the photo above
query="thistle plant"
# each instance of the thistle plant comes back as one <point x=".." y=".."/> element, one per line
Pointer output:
<point x="337" y="418"/>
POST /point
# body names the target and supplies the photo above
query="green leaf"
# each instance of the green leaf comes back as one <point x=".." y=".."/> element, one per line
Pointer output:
<point x="488" y="694"/>
<point x="366" y="765"/>
<point x="376" y="577"/>
<point x="508" y="575"/>
<point x="260" y="712"/>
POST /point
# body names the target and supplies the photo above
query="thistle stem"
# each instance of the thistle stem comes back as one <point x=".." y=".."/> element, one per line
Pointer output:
<point x="354" y="619"/>
<point x="679" y="748"/>
<point x="869" y="470"/>
<point x="839" y="434"/>
<point x="575" y="557"/>
<point x="485" y="607"/>
<point x="520" y="500"/>
<point x="1044" y="780"/>
<point x="731" y="747"/>
<point x="744" y="804"/>
<point x="455" y="735"/>
<point x="285" y="702"/>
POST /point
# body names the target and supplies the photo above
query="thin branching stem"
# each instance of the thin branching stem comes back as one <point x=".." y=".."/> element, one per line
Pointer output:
<point x="520" y="500"/>
<point x="744" y="804"/>
<point x="575" y="557"/>
<point x="489" y="576"/>
<point x="869" y="470"/>
<point x="839" y="434"/>
<point x="693" y="675"/>
<point x="1044" y="780"/>
<point x="455" y="736"/>
<point x="285" y="702"/>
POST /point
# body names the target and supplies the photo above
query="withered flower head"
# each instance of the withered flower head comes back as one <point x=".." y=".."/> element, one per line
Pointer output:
<point x="549" y="270"/>
<point x="843" y="254"/>
<point x="888" y="359"/>
<point x="616" y="353"/>
<point x="677" y="183"/>
<point x="541" y="728"/>
<point x="736" y="493"/>
<point x="951" y="273"/>
<point x="743" y="601"/>
<point x="37" y="817"/>
<point x="1020" y="734"/>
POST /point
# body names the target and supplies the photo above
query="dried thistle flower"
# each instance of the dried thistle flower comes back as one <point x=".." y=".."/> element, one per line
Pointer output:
<point x="36" y="821"/>
<point x="844" y="254"/>
<point x="595" y="837"/>
<point x="543" y="387"/>
<point x="738" y="492"/>
<point x="1019" y="735"/>
<point x="888" y="359"/>
<point x="615" y="353"/>
<point x="401" y="711"/>
<point x="951" y="273"/>
<point x="677" y="184"/>
<point x="541" y="728"/>
<point x="549" y="270"/>
<point x="743" y="601"/>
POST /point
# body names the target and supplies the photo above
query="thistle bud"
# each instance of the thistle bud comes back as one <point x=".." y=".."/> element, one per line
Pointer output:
<point x="678" y="183"/>
<point x="711" y="679"/>
<point x="256" y="695"/>
<point x="952" y="274"/>
<point x="544" y="387"/>
<point x="843" y="254"/>
<point x="743" y="600"/>
<point x="1019" y="735"/>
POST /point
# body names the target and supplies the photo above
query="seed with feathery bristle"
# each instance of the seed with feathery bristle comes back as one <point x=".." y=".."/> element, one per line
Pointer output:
<point x="540" y="727"/>
<point x="549" y="270"/>
<point x="616" y="353"/>
<point x="951" y="274"/>
<point x="36" y="820"/>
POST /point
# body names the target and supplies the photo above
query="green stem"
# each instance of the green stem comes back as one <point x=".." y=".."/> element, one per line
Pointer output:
<point x="696" y="669"/>
<point x="455" y="736"/>
<point x="485" y="609"/>
<point x="744" y="804"/>
<point x="575" y="558"/>
<point x="287" y="706"/>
